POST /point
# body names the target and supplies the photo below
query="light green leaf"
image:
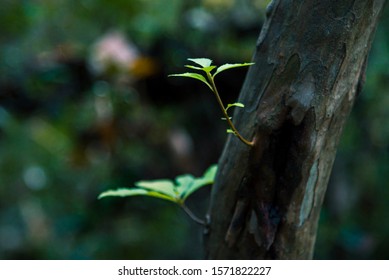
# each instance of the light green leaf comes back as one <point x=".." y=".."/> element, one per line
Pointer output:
<point x="162" y="186"/>
<point x="230" y="131"/>
<point x="162" y="196"/>
<point x="207" y="179"/>
<point x="184" y="182"/>
<point x="176" y="192"/>
<point x="204" y="62"/>
<point x="124" y="192"/>
<point x="207" y="69"/>
<point x="229" y="66"/>
<point x="237" y="104"/>
<point x="210" y="173"/>
<point x="194" y="76"/>
<point x="194" y="67"/>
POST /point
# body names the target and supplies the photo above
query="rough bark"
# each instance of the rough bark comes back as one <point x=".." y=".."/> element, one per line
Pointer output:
<point x="309" y="66"/>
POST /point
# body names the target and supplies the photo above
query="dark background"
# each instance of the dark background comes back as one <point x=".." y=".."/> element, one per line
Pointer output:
<point x="86" y="105"/>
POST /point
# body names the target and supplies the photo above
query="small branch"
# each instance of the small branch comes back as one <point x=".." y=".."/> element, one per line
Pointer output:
<point x="226" y="116"/>
<point x="192" y="215"/>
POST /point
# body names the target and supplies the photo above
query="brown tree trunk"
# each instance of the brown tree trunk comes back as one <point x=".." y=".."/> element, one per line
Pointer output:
<point x="309" y="66"/>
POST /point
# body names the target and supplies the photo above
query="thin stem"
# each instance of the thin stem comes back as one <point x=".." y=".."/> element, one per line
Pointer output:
<point x="226" y="116"/>
<point x="192" y="215"/>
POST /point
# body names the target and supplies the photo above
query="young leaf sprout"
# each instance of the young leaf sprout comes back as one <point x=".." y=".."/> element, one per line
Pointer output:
<point x="206" y="66"/>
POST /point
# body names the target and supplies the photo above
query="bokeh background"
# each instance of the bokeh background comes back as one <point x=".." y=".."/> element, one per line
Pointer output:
<point x="86" y="105"/>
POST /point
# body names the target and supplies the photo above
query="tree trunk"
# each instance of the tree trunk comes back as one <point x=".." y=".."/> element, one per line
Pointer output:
<point x="309" y="66"/>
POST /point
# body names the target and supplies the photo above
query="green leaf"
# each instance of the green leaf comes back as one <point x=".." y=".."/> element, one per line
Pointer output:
<point x="229" y="66"/>
<point x="194" y="76"/>
<point x="237" y="104"/>
<point x="210" y="173"/>
<point x="177" y="191"/>
<point x="194" y="67"/>
<point x="207" y="69"/>
<point x="230" y="131"/>
<point x="163" y="186"/>
<point x="204" y="62"/>
<point x="124" y="192"/>
<point x="184" y="182"/>
<point x="207" y="179"/>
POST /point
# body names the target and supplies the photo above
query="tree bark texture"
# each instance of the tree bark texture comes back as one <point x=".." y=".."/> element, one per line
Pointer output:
<point x="309" y="66"/>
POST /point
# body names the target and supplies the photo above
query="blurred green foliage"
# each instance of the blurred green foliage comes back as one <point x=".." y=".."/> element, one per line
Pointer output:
<point x="86" y="105"/>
